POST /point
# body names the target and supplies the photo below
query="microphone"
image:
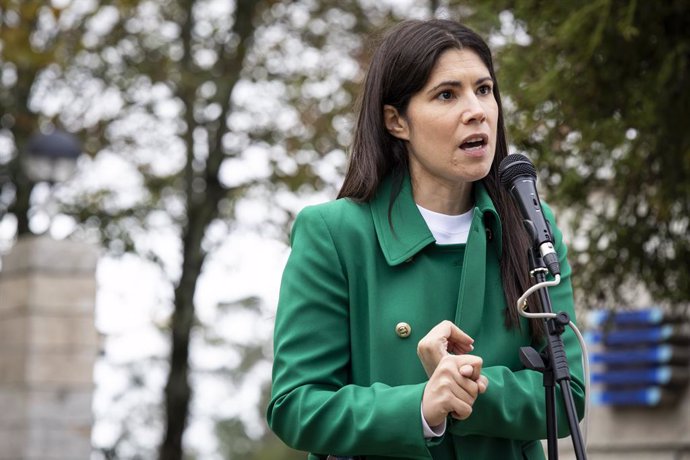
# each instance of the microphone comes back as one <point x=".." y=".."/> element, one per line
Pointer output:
<point x="519" y="176"/>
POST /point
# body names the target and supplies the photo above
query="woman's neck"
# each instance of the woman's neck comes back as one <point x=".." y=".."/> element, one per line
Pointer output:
<point x="442" y="198"/>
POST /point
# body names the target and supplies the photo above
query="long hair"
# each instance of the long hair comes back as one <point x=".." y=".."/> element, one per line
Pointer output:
<point x="400" y="67"/>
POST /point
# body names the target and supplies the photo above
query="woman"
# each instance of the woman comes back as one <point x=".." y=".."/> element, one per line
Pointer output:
<point x="397" y="334"/>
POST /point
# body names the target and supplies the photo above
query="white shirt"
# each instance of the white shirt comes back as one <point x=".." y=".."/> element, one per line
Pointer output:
<point x="445" y="228"/>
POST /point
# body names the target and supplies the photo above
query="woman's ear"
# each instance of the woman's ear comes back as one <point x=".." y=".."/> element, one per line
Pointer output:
<point x="395" y="123"/>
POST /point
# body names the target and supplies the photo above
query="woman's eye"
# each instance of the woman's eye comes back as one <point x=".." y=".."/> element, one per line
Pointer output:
<point x="445" y="95"/>
<point x="485" y="89"/>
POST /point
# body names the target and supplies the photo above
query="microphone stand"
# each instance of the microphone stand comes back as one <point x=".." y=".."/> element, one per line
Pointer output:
<point x="553" y="364"/>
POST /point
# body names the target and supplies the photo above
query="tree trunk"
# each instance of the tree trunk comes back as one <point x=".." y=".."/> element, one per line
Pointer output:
<point x="202" y="209"/>
<point x="177" y="390"/>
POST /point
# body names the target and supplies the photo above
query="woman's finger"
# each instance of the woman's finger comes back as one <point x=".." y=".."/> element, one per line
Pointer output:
<point x="458" y="340"/>
<point x="443" y="339"/>
<point x="482" y="383"/>
<point x="469" y="366"/>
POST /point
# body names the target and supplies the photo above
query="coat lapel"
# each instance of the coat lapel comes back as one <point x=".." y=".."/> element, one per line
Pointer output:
<point x="485" y="226"/>
<point x="472" y="282"/>
<point x="406" y="234"/>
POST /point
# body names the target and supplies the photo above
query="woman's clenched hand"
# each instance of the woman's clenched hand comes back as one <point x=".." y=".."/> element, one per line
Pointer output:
<point x="452" y="388"/>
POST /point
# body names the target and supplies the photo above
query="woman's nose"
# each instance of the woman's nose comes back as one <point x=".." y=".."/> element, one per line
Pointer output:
<point x="473" y="111"/>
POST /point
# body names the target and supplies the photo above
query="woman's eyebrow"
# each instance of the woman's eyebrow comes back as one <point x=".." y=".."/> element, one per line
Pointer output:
<point x="457" y="83"/>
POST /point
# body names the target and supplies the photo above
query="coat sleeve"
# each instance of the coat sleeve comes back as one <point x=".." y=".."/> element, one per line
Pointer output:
<point x="313" y="406"/>
<point x="513" y="405"/>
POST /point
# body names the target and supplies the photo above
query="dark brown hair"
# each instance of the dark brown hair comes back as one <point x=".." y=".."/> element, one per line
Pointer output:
<point x="400" y="67"/>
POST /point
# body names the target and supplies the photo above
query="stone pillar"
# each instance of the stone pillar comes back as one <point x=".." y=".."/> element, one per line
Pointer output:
<point x="48" y="346"/>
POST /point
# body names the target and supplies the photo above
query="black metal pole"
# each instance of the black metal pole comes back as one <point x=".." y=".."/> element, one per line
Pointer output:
<point x="551" y="419"/>
<point x="556" y="370"/>
<point x="578" y="444"/>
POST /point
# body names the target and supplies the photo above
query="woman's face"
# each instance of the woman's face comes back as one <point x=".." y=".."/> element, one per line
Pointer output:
<point x="450" y="125"/>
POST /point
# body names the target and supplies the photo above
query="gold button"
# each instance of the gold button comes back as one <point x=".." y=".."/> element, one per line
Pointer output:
<point x="403" y="330"/>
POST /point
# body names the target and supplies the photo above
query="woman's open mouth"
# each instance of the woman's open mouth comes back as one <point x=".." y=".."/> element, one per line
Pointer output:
<point x="474" y="143"/>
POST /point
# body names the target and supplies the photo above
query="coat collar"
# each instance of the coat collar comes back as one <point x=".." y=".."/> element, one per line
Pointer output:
<point x="409" y="233"/>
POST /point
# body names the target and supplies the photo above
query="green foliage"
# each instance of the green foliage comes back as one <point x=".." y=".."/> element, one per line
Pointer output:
<point x="598" y="99"/>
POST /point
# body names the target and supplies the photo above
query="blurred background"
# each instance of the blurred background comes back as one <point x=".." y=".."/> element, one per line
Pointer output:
<point x="153" y="154"/>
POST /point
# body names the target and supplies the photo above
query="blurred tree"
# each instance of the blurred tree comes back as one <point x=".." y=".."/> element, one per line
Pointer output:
<point x="596" y="94"/>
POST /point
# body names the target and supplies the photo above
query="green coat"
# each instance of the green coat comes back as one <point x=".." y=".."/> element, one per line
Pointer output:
<point x="345" y="383"/>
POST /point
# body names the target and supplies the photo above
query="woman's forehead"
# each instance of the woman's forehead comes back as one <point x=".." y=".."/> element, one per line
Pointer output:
<point x="457" y="64"/>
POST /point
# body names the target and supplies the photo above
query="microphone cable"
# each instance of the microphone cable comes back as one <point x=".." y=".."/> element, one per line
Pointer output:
<point x="522" y="305"/>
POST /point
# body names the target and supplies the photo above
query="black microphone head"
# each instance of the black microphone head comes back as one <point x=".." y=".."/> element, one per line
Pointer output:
<point x="514" y="166"/>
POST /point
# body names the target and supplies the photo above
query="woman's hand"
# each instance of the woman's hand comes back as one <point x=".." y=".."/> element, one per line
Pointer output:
<point x="445" y="338"/>
<point x="453" y="388"/>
